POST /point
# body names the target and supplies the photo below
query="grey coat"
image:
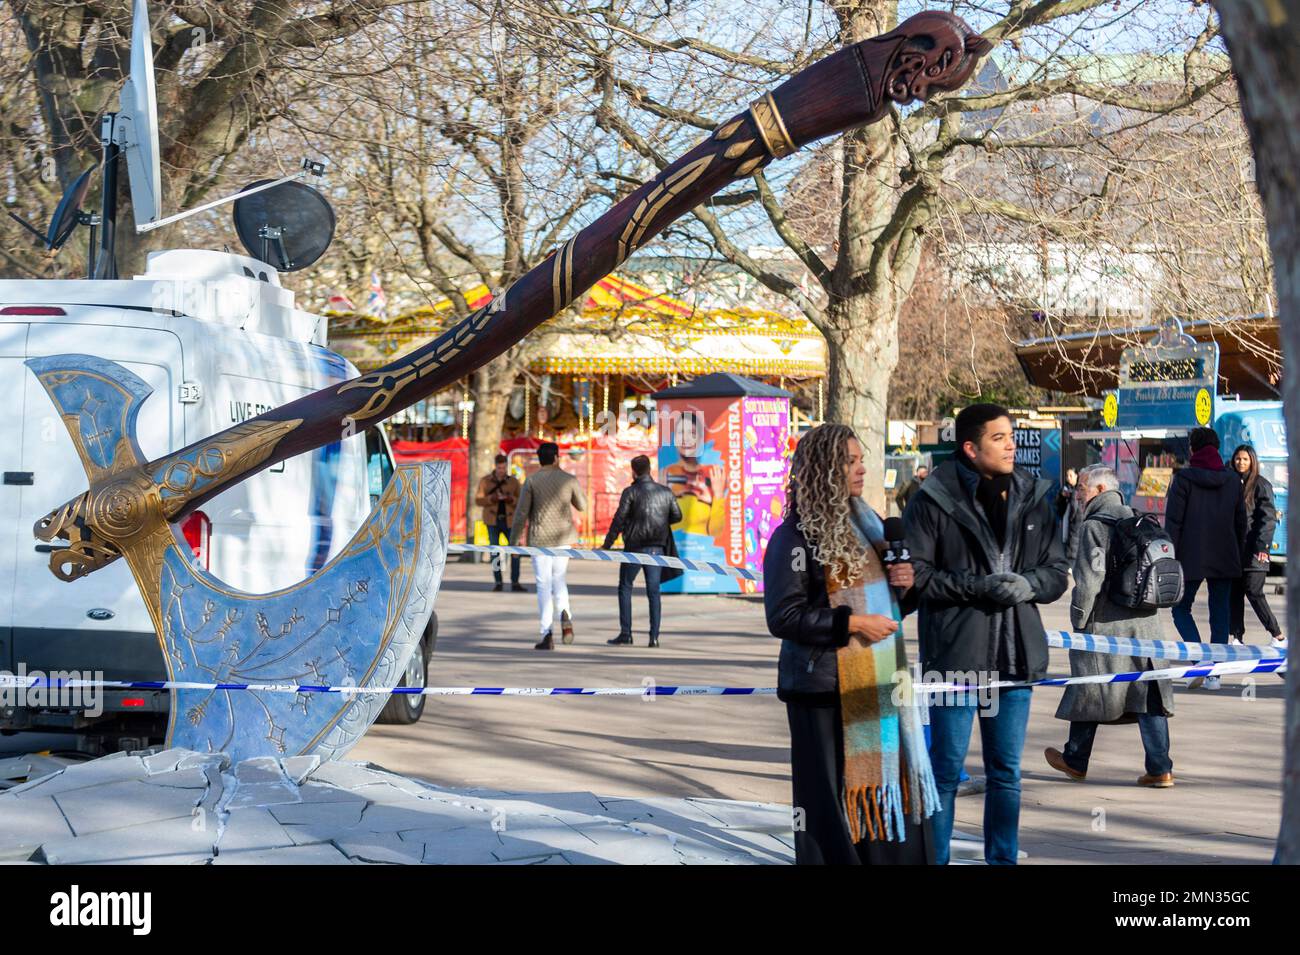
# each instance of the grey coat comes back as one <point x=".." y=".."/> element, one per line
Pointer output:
<point x="1091" y="611"/>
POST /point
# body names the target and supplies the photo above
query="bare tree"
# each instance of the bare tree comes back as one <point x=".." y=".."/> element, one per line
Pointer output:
<point x="476" y="155"/>
<point x="663" y="84"/>
<point x="1263" y="37"/>
<point x="219" y="67"/>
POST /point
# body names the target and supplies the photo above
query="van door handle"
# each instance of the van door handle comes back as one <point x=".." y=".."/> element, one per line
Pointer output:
<point x="19" y="477"/>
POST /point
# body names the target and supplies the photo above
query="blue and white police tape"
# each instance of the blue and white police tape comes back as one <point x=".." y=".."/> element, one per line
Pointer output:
<point x="1160" y="649"/>
<point x="610" y="556"/>
<point x="1226" y="668"/>
<point x="24" y="681"/>
<point x="1062" y="639"/>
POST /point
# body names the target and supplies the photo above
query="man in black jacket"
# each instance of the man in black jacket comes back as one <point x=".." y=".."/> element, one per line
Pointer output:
<point x="646" y="512"/>
<point x="985" y="553"/>
<point x="1205" y="515"/>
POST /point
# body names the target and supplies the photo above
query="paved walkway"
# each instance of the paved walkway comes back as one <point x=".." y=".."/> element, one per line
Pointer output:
<point x="1226" y="744"/>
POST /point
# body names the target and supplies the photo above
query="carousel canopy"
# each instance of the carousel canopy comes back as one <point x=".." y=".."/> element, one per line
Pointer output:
<point x="623" y="328"/>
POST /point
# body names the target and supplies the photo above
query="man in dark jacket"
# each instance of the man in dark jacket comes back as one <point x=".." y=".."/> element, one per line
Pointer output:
<point x="985" y="552"/>
<point x="645" y="515"/>
<point x="1205" y="515"/>
<point x="908" y="490"/>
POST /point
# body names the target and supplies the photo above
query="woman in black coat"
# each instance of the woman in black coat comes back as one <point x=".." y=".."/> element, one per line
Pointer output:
<point x="1261" y="513"/>
<point x="825" y="483"/>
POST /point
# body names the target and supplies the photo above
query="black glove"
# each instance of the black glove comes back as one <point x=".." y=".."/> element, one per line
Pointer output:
<point x="1007" y="589"/>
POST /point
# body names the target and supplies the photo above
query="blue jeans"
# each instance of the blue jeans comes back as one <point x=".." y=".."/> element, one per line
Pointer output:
<point x="1154" y="730"/>
<point x="1003" y="738"/>
<point x="1220" y="595"/>
<point x="626" y="578"/>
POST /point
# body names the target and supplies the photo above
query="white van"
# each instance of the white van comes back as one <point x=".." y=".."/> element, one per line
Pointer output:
<point x="219" y="340"/>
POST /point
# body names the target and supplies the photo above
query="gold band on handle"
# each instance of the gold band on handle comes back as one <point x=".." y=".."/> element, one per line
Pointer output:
<point x="771" y="128"/>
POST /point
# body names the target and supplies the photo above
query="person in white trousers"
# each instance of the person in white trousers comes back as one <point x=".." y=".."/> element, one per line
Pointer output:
<point x="552" y="597"/>
<point x="546" y="508"/>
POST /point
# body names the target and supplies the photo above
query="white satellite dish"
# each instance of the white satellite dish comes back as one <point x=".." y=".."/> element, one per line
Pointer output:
<point x="139" y="116"/>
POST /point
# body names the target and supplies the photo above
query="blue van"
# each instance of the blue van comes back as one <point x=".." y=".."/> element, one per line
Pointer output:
<point x="1259" y="424"/>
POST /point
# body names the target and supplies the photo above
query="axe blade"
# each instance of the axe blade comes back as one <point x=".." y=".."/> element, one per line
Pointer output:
<point x="355" y="622"/>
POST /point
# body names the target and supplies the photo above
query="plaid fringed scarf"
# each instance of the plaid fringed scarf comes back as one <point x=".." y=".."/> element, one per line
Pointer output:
<point x="886" y="767"/>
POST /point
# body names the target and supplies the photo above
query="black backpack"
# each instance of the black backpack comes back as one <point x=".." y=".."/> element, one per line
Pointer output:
<point x="1142" y="572"/>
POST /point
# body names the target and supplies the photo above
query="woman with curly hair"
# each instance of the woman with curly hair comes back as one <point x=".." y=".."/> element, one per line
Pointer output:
<point x="861" y="777"/>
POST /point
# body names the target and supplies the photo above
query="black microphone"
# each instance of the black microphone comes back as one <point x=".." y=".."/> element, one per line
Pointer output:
<point x="896" y="551"/>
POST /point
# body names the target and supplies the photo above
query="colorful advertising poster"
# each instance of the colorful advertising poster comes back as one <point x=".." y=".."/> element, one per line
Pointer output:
<point x="701" y="461"/>
<point x="766" y="439"/>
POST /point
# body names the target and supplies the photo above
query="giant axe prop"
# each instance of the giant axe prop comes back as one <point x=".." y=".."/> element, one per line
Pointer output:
<point x="356" y="620"/>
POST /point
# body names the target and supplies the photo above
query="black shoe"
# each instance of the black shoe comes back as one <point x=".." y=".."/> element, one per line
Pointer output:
<point x="566" y="627"/>
<point x="654" y="642"/>
<point x="518" y="588"/>
<point x="496" y="588"/>
<point x="622" y="640"/>
<point x="547" y="643"/>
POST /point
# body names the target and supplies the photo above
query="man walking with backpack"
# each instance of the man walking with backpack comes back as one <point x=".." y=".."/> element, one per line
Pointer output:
<point x="1205" y="515"/>
<point x="1121" y="561"/>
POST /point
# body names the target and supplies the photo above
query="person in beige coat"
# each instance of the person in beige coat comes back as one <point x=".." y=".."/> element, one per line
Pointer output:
<point x="546" y="507"/>
<point x="1088" y="705"/>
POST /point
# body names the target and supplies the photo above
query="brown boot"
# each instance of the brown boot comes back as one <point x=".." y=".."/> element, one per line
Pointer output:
<point x="1056" y="759"/>
<point x="1163" y="781"/>
<point x="547" y="643"/>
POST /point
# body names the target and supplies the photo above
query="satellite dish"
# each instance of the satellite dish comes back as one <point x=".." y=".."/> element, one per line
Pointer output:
<point x="68" y="213"/>
<point x="67" y="216"/>
<point x="139" y="113"/>
<point x="288" y="226"/>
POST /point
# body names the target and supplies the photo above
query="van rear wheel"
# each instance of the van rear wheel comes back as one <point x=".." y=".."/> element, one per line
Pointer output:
<point x="404" y="709"/>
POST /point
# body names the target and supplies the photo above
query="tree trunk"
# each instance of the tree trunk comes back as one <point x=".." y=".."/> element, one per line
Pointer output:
<point x="1263" y="40"/>
<point x="491" y="393"/>
<point x="863" y="351"/>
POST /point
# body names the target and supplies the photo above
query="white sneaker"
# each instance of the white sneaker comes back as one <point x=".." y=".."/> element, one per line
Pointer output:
<point x="1237" y="640"/>
<point x="1278" y="643"/>
<point x="1212" y="683"/>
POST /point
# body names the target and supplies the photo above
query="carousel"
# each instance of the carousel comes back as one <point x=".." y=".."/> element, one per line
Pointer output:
<point x="589" y="378"/>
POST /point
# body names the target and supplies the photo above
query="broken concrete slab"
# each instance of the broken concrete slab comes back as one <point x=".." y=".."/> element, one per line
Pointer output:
<point x="333" y="815"/>
<point x="321" y="854"/>
<point x="121" y="804"/>
<point x="379" y="848"/>
<point x="30" y="822"/>
<point x="95" y="772"/>
<point x="757" y="817"/>
<point x="16" y="771"/>
<point x="165" y="761"/>
<point x="169" y="842"/>
<point x="298" y="768"/>
<point x="179" y="779"/>
<point x="116" y="811"/>
<point x="246" y="795"/>
<point x="415" y="814"/>
<point x="348" y="775"/>
<point x="245" y="830"/>
<point x="218" y="761"/>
